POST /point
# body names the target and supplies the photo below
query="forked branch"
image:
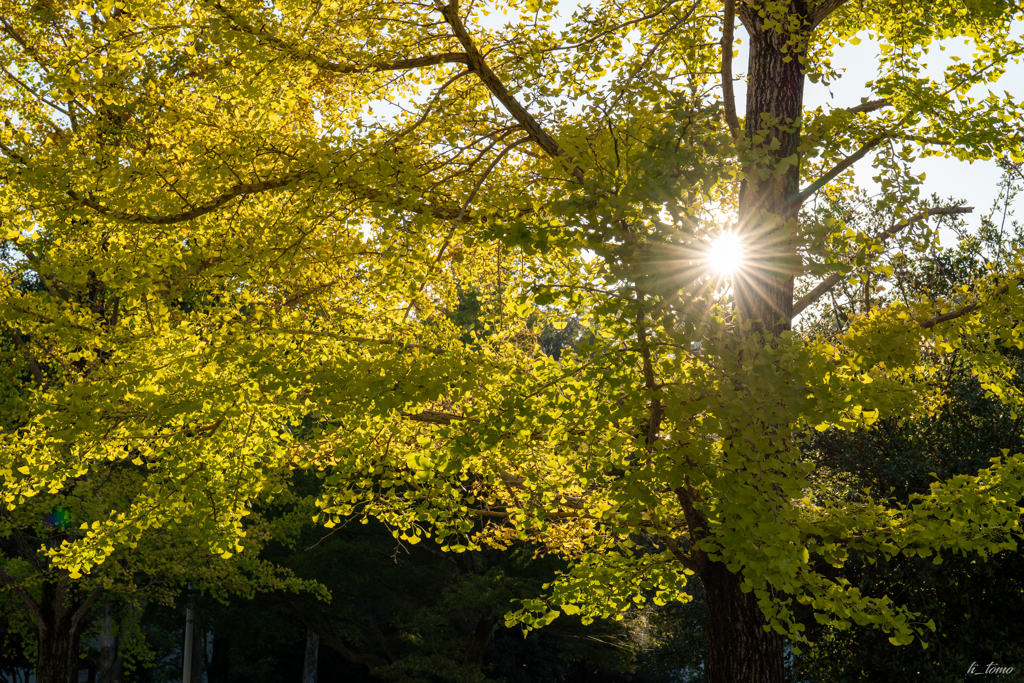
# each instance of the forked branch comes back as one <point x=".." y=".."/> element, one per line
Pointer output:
<point x="823" y="10"/>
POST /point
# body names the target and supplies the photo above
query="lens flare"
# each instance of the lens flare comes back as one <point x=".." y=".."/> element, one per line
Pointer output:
<point x="58" y="518"/>
<point x="726" y="253"/>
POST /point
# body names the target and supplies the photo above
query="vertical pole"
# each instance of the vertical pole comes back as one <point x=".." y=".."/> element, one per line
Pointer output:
<point x="309" y="665"/>
<point x="190" y="624"/>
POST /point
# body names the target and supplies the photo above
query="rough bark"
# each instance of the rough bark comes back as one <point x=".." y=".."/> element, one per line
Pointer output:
<point x="775" y="87"/>
<point x="739" y="650"/>
<point x="198" y="654"/>
<point x="58" y="629"/>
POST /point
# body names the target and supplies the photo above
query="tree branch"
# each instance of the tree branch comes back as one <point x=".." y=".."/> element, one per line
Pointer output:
<point x="343" y="337"/>
<point x="728" y="95"/>
<point x="960" y="312"/>
<point x="823" y="11"/>
<point x="83" y="609"/>
<point x="824" y="180"/>
<point x="32" y="364"/>
<point x="212" y="205"/>
<point x="334" y="67"/>
<point x="493" y="83"/>
<point x="873" y="105"/>
<point x="333" y="640"/>
<point x="832" y="280"/>
<point x="30" y="604"/>
<point x="435" y="417"/>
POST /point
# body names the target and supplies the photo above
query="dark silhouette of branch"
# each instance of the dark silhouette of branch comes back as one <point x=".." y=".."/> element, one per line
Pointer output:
<point x="266" y="36"/>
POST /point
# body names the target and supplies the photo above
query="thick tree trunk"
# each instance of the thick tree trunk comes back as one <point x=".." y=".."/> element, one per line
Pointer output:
<point x="58" y="635"/>
<point x="775" y="90"/>
<point x="739" y="649"/>
<point x="58" y="656"/>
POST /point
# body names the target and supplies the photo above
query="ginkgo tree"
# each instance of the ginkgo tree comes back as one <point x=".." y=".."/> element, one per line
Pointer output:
<point x="251" y="222"/>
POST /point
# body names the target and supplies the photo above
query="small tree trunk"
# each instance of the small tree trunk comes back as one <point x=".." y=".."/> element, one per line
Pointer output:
<point x="480" y="638"/>
<point x="198" y="654"/>
<point x="739" y="649"/>
<point x="220" y="664"/>
<point x="311" y="662"/>
<point x="111" y="664"/>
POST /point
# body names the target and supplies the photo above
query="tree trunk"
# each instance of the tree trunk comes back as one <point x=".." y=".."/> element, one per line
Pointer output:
<point x="58" y="656"/>
<point x="219" y="660"/>
<point x="775" y="91"/>
<point x="58" y="635"/>
<point x="312" y="658"/>
<point x="480" y="638"/>
<point x="198" y="654"/>
<point x="739" y="649"/>
<point x="111" y="664"/>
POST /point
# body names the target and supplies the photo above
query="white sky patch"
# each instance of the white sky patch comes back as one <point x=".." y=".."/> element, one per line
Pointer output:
<point x="976" y="182"/>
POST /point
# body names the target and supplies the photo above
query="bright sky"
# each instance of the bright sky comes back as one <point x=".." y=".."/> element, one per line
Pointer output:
<point x="976" y="183"/>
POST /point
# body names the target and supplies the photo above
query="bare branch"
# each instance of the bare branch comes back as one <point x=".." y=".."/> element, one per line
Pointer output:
<point x="824" y="180"/>
<point x="728" y="24"/>
<point x="832" y="280"/>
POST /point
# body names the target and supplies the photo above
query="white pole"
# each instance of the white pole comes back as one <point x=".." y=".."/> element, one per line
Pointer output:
<point x="190" y="624"/>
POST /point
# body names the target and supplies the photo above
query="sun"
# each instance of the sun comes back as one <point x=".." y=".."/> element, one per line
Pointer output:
<point x="726" y="253"/>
